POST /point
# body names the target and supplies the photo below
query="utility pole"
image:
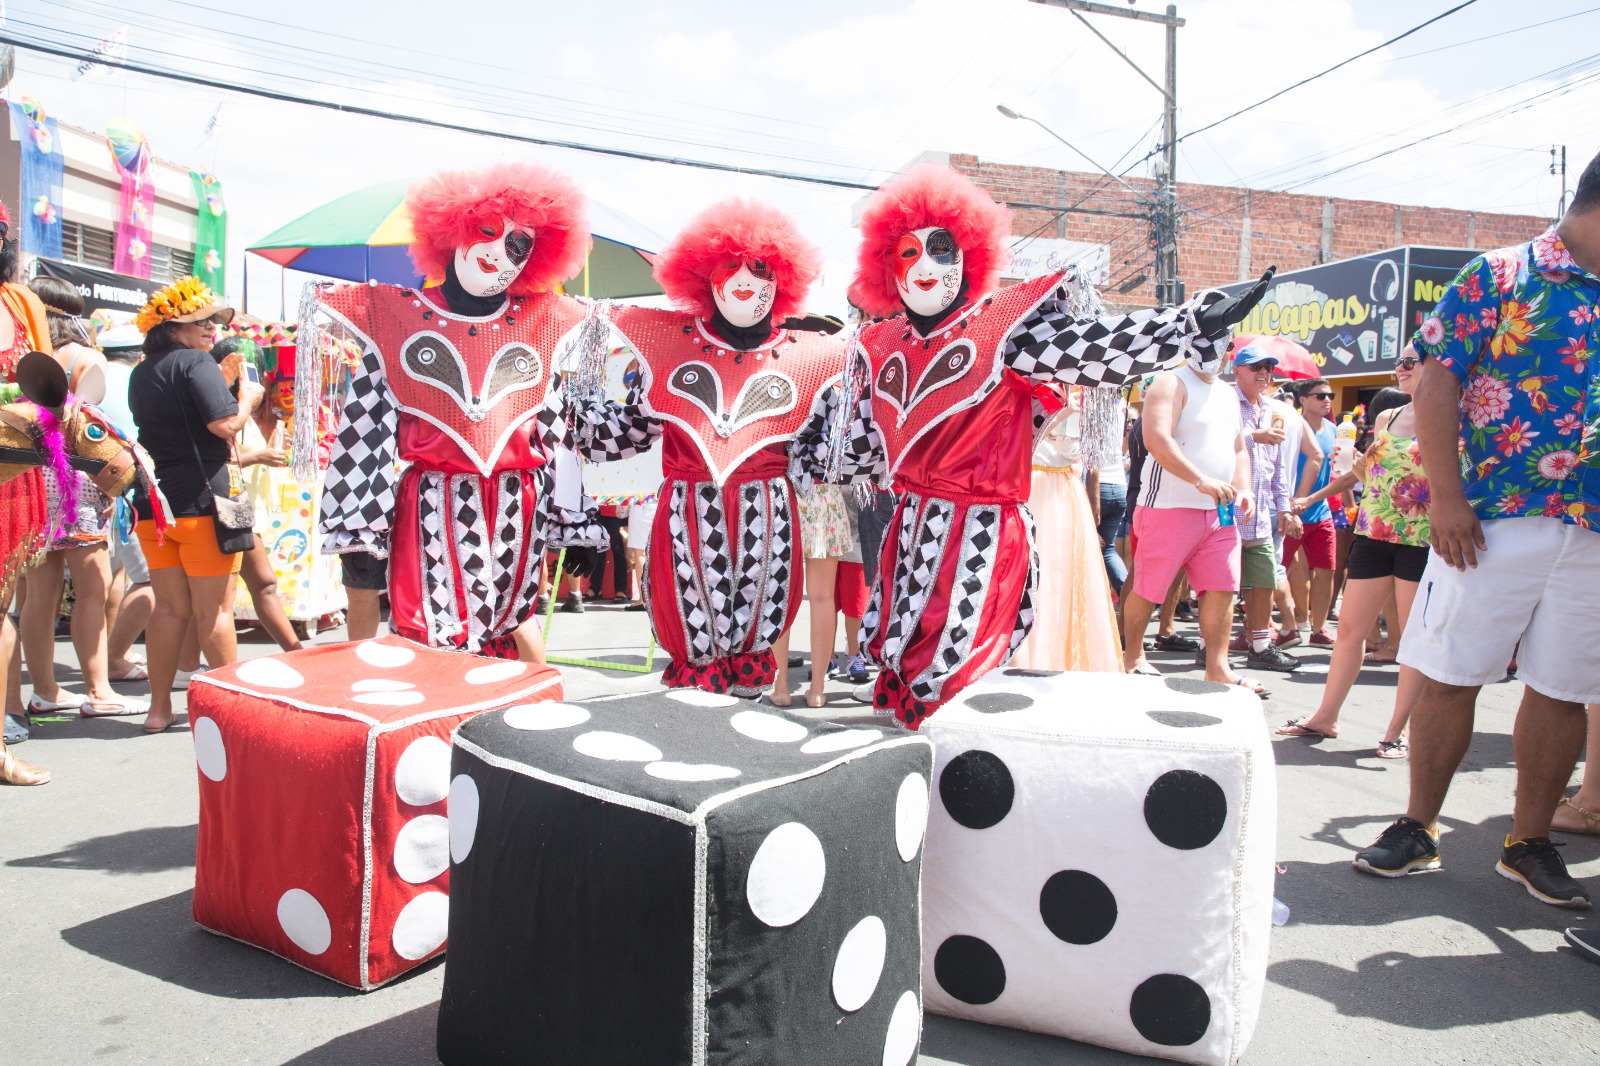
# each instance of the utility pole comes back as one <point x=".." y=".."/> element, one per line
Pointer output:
<point x="1168" y="288"/>
<point x="1558" y="165"/>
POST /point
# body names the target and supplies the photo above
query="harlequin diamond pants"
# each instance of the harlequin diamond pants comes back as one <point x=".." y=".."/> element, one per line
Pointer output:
<point x="953" y="599"/>
<point x="721" y="581"/>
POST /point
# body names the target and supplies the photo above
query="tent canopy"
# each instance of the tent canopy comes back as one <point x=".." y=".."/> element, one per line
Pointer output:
<point x="363" y="236"/>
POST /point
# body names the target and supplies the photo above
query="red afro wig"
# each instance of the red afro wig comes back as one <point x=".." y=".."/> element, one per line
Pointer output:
<point x="928" y="195"/>
<point x="738" y="230"/>
<point x="449" y="209"/>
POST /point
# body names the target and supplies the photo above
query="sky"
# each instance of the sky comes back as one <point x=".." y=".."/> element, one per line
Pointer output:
<point x="1462" y="113"/>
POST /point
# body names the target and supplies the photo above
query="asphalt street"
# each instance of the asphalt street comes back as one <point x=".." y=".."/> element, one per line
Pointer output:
<point x="105" y="965"/>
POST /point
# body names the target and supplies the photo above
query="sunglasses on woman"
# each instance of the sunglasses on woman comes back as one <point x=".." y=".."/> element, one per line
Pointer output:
<point x="1408" y="362"/>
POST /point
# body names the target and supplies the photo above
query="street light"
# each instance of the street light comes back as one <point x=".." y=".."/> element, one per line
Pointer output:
<point x="1009" y="113"/>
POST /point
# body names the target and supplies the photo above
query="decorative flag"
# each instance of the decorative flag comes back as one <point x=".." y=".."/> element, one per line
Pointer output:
<point x="211" y="230"/>
<point x="43" y="168"/>
<point x="114" y="48"/>
<point x="130" y="155"/>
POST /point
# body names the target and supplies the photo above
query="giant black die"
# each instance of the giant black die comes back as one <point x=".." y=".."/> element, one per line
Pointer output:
<point x="682" y="877"/>
<point x="1100" y="861"/>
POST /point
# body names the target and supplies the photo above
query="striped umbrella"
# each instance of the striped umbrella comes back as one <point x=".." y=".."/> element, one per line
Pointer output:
<point x="363" y="236"/>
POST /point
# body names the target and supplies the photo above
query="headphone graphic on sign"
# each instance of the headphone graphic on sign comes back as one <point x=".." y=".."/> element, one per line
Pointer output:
<point x="1385" y="282"/>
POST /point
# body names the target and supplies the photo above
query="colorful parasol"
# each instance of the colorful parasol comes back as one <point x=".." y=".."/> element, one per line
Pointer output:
<point x="363" y="236"/>
<point x="128" y="146"/>
<point x="1294" y="361"/>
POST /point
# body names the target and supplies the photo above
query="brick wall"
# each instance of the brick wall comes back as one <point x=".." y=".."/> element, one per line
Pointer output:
<point x="1226" y="233"/>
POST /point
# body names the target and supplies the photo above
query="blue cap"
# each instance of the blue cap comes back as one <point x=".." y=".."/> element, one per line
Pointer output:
<point x="1249" y="355"/>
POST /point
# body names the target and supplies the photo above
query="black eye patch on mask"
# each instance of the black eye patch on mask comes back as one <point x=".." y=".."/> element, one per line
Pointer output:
<point x="519" y="245"/>
<point x="942" y="247"/>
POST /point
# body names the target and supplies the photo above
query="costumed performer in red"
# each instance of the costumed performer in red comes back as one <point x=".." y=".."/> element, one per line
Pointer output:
<point x="727" y="382"/>
<point x="943" y="410"/>
<point x="457" y="382"/>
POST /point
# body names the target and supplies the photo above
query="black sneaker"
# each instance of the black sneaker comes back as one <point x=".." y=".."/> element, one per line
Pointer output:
<point x="1406" y="847"/>
<point x="1539" y="867"/>
<point x="1273" y="658"/>
<point x="1177" y="642"/>
<point x="1587" y="941"/>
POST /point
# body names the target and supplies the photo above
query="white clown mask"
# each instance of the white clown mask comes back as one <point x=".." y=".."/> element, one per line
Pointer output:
<point x="928" y="269"/>
<point x="744" y="293"/>
<point x="489" y="267"/>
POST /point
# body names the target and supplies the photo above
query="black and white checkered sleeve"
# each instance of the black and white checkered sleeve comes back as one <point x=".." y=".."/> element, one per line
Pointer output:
<point x="358" y="494"/>
<point x="1051" y="345"/>
<point x="609" y="430"/>
<point x="811" y="453"/>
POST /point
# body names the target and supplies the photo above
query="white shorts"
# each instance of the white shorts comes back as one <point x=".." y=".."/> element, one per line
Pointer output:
<point x="129" y="557"/>
<point x="1535" y="585"/>
<point x="641" y="516"/>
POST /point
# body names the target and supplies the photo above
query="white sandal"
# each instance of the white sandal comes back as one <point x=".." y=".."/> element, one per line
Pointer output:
<point x="73" y="702"/>
<point x="93" y="708"/>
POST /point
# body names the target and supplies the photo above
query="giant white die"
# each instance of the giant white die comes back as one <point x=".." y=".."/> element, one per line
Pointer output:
<point x="1100" y="861"/>
<point x="681" y="877"/>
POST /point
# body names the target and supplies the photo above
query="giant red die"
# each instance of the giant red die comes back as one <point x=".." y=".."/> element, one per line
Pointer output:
<point x="324" y="775"/>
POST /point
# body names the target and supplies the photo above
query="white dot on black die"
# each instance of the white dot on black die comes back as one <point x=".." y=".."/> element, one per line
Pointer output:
<point x="859" y="963"/>
<point x="843" y="740"/>
<point x="786" y="875"/>
<point x="900" y="1042"/>
<point x="690" y="771"/>
<point x="463" y="808"/>
<point x="910" y="815"/>
<point x="758" y="725"/>
<point x="618" y="747"/>
<point x="545" y="716"/>
<point x="696" y="698"/>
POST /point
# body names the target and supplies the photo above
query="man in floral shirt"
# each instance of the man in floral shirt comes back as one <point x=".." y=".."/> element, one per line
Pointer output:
<point x="1508" y="385"/>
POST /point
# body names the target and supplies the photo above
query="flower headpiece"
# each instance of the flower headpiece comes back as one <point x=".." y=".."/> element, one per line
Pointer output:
<point x="186" y="300"/>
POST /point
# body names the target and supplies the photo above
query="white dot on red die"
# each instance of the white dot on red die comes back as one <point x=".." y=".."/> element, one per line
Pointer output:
<point x="422" y="773"/>
<point x="463" y="809"/>
<point x="859" y="964"/>
<point x="690" y="771"/>
<point x="421" y="926"/>
<point x="786" y="875"/>
<point x="384" y="656"/>
<point x="209" y="753"/>
<point x="381" y="684"/>
<point x="270" y="672"/>
<point x="618" y="747"/>
<point x="488" y="675"/>
<point x="422" y="848"/>
<point x="389" y="699"/>
<point x="758" y="725"/>
<point x="304" y="922"/>
<point x="910" y="815"/>
<point x="696" y="698"/>
<point x="900" y="1043"/>
<point x="843" y="740"/>
<point x="545" y="715"/>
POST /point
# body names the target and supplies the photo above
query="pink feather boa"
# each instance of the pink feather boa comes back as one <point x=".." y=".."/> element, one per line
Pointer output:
<point x="53" y="434"/>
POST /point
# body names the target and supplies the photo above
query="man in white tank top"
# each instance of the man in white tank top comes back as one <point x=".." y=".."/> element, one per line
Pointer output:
<point x="1196" y="463"/>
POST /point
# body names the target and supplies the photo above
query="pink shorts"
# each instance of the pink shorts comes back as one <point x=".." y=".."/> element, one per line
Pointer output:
<point x="1188" y="539"/>
<point x="1318" y="539"/>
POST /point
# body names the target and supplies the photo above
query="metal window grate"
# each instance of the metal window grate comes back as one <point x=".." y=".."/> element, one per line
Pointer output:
<point x="92" y="246"/>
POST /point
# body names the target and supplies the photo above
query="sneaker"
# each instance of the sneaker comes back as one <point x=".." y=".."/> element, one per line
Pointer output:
<point x="1537" y="865"/>
<point x="1183" y="612"/>
<point x="1177" y="642"/>
<point x="1272" y="658"/>
<point x="541" y="605"/>
<point x="1289" y="638"/>
<point x="1322" y="639"/>
<point x="1239" y="644"/>
<point x="856" y="668"/>
<point x="573" y="604"/>
<point x="1406" y="847"/>
<point x="1587" y="941"/>
<point x="863" y="693"/>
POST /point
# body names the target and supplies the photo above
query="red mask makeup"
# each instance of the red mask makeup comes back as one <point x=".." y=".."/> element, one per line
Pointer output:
<point x="928" y="269"/>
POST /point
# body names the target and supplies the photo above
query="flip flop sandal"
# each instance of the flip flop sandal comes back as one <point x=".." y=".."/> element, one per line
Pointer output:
<point x="38" y="708"/>
<point x="16" y="729"/>
<point x="1591" y="821"/>
<point x="1293" y="728"/>
<point x="112" y="708"/>
<point x="1395" y="749"/>
<point x="134" y="672"/>
<point x="1145" y="670"/>
<point x="1255" y="687"/>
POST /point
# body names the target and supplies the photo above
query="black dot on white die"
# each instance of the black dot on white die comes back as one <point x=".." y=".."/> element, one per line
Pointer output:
<point x="1185" y="809"/>
<point x="999" y="702"/>
<point x="969" y="970"/>
<point x="1182" y="719"/>
<point x="1017" y="671"/>
<point x="1077" y="907"/>
<point x="976" y="788"/>
<point x="1170" y="1009"/>
<point x="1193" y="686"/>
